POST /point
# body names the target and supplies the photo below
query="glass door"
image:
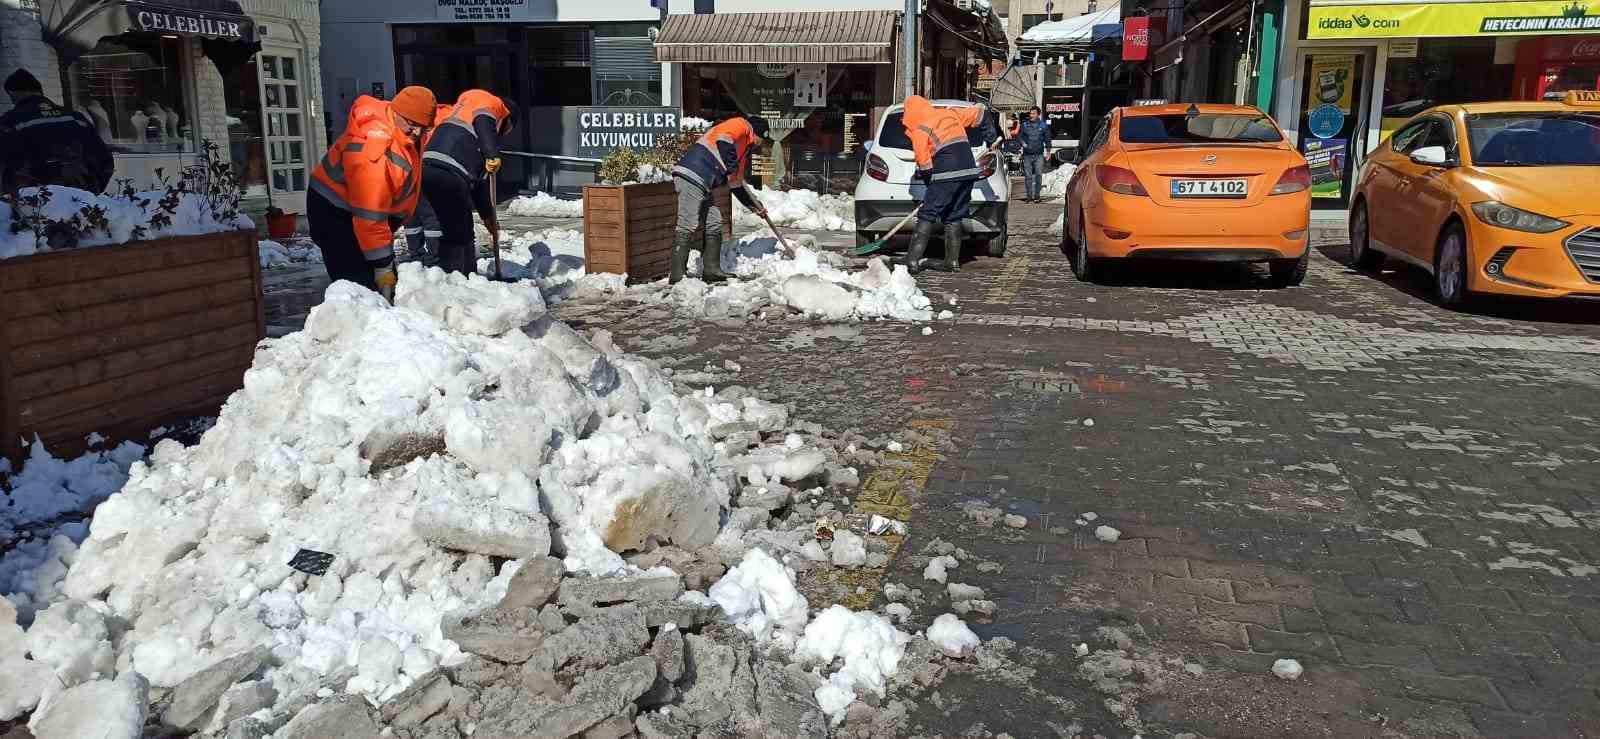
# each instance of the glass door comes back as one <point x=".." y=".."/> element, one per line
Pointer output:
<point x="282" y="104"/>
<point x="1333" y="121"/>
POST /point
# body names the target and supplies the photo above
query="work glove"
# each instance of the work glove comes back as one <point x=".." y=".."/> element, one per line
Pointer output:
<point x="385" y="279"/>
<point x="492" y="164"/>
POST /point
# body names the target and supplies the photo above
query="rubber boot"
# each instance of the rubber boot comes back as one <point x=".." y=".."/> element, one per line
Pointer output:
<point x="681" y="243"/>
<point x="711" y="257"/>
<point x="919" y="245"/>
<point x="952" y="247"/>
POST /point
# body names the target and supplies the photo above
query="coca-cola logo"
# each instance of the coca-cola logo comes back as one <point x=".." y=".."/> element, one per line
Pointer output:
<point x="1583" y="48"/>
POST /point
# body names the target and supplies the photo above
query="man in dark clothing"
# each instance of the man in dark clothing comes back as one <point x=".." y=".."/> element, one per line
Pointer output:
<point x="42" y="143"/>
<point x="463" y="153"/>
<point x="1035" y="136"/>
<point x="719" y="158"/>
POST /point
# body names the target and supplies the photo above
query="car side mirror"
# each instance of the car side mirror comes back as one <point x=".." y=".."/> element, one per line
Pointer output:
<point x="1431" y="156"/>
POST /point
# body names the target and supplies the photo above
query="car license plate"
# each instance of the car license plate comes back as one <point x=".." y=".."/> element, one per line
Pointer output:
<point x="1208" y="188"/>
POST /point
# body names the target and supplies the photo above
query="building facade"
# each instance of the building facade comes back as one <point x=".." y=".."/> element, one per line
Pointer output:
<point x="161" y="79"/>
<point x="1350" y="74"/>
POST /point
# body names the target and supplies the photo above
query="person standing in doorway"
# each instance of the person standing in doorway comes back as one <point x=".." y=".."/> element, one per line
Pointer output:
<point x="42" y="143"/>
<point x="718" y="158"/>
<point x="1035" y="136"/>
<point x="367" y="185"/>
<point x="463" y="153"/>
<point x="945" y="162"/>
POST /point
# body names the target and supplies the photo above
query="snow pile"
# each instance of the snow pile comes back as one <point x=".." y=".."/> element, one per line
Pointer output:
<point x="275" y="254"/>
<point x="406" y="442"/>
<point x="869" y="646"/>
<point x="647" y="173"/>
<point x="1053" y="185"/>
<point x="39" y="543"/>
<point x="69" y="210"/>
<point x="691" y="123"/>
<point x="544" y="205"/>
<point x="806" y="210"/>
<point x="804" y="280"/>
<point x="1059" y="227"/>
<point x="951" y="635"/>
<point x="760" y="598"/>
<point x="1288" y="669"/>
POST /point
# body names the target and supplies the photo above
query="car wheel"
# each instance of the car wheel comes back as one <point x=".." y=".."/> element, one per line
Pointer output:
<point x="1450" y="267"/>
<point x="1362" y="255"/>
<point x="1083" y="267"/>
<point x="997" y="243"/>
<point x="1290" y="272"/>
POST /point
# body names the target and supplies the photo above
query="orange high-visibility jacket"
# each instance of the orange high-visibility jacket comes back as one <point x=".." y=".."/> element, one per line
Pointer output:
<point x="939" y="138"/>
<point x="469" y="134"/>
<point x="720" y="156"/>
<point x="373" y="172"/>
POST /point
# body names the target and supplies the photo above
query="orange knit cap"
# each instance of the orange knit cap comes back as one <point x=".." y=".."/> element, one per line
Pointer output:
<point x="415" y="104"/>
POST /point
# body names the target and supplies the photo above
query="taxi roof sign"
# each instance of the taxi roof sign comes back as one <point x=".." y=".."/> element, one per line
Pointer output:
<point x="1582" y="97"/>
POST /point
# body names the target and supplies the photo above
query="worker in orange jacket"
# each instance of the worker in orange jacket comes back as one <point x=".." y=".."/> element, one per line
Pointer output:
<point x="461" y="156"/>
<point x="422" y="230"/>
<point x="367" y="184"/>
<point x="944" y="161"/>
<point x="719" y="158"/>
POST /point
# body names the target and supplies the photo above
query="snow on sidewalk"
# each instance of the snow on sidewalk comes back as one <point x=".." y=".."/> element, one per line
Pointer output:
<point x="412" y="443"/>
<point x="274" y="254"/>
<point x="544" y="205"/>
<point x="805" y="210"/>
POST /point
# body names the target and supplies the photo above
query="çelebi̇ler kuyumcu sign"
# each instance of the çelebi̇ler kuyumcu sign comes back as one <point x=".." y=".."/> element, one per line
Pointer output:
<point x="600" y="130"/>
<point x="1337" y="19"/>
<point x="183" y="23"/>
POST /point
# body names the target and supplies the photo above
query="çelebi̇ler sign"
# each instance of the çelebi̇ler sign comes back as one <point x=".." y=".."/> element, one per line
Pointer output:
<point x="600" y="130"/>
<point x="152" y="21"/>
<point x="1344" y="19"/>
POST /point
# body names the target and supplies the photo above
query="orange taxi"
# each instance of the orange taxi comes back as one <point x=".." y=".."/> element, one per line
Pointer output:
<point x="1216" y="183"/>
<point x="1497" y="198"/>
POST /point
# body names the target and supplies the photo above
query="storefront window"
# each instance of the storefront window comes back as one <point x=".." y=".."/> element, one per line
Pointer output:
<point x="134" y="89"/>
<point x="286" y="144"/>
<point x="1445" y="70"/>
<point x="625" y="70"/>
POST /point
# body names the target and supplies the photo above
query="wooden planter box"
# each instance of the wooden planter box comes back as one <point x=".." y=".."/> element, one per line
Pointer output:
<point x="628" y="228"/>
<point x="121" y="339"/>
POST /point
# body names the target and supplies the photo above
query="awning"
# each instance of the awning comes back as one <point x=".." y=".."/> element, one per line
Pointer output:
<point x="1345" y="19"/>
<point x="73" y="27"/>
<point x="837" y="37"/>
<point x="1071" y="31"/>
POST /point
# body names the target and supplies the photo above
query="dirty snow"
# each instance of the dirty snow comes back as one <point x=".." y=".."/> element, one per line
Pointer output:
<point x="952" y="636"/>
<point x="759" y="597"/>
<point x="274" y="254"/>
<point x="1107" y="534"/>
<point x="1288" y="669"/>
<point x="869" y="646"/>
<point x="1053" y="185"/>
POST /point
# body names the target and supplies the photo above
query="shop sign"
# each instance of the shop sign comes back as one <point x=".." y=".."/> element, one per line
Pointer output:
<point x="1405" y="48"/>
<point x="1340" y="19"/>
<point x="151" y="21"/>
<point x="1140" y="34"/>
<point x="601" y="130"/>
<point x="484" y="10"/>
<point x="1063" y="107"/>
<point x="1326" y="160"/>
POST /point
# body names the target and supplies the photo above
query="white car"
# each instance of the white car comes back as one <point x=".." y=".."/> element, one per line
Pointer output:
<point x="888" y="188"/>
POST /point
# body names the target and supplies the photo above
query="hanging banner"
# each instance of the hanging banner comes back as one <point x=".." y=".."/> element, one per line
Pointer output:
<point x="1326" y="159"/>
<point x="1346" y="20"/>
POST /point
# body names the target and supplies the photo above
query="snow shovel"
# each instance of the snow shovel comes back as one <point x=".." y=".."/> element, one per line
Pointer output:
<point x="494" y="237"/>
<point x="873" y="246"/>
<point x="781" y="240"/>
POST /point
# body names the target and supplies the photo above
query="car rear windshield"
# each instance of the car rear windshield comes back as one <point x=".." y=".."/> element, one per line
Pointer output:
<point x="1553" y="139"/>
<point x="893" y="135"/>
<point x="1204" y="128"/>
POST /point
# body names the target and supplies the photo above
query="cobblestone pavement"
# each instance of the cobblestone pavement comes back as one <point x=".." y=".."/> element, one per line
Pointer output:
<point x="1398" y="496"/>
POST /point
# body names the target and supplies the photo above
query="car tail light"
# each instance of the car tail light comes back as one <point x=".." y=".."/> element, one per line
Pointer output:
<point x="987" y="164"/>
<point x="1119" y="180"/>
<point x="1294" y="179"/>
<point x="877" y="168"/>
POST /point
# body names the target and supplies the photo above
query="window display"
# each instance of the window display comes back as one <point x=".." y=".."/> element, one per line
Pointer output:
<point x="134" y="89"/>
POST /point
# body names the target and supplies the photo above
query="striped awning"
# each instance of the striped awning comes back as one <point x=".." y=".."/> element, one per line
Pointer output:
<point x="828" y="37"/>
